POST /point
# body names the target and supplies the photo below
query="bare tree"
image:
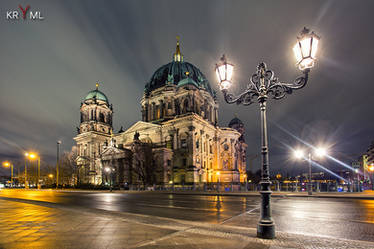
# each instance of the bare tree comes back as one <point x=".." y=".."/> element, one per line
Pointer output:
<point x="143" y="165"/>
<point x="68" y="167"/>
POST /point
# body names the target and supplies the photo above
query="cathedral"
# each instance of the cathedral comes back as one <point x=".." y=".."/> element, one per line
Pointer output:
<point x="178" y="141"/>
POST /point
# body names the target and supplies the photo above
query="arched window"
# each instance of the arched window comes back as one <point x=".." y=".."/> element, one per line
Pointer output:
<point x="186" y="106"/>
<point x="101" y="117"/>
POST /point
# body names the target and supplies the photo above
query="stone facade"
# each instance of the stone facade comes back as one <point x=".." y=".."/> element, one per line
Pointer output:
<point x="178" y="140"/>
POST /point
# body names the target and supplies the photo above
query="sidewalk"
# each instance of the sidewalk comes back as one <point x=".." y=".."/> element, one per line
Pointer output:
<point x="367" y="195"/>
<point x="24" y="224"/>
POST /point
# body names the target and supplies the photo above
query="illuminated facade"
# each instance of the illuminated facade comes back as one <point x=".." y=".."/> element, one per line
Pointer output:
<point x="177" y="141"/>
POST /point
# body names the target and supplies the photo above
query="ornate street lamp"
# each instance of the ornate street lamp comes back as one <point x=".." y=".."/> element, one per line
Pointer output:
<point x="306" y="49"/>
<point x="263" y="85"/>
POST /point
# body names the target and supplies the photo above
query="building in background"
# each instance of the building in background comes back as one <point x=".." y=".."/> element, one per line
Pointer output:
<point x="177" y="141"/>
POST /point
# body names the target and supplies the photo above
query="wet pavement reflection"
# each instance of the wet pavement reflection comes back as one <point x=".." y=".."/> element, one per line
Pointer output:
<point x="338" y="218"/>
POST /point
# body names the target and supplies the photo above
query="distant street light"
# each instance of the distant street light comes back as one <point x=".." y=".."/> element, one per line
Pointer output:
<point x="246" y="182"/>
<point x="371" y="169"/>
<point x="299" y="154"/>
<point x="57" y="161"/>
<point x="26" y="182"/>
<point x="263" y="85"/>
<point x="9" y="164"/>
<point x="218" y="180"/>
<point x="33" y="156"/>
<point x="110" y="171"/>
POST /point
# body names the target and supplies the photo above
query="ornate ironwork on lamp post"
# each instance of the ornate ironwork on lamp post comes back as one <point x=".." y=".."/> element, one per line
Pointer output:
<point x="263" y="85"/>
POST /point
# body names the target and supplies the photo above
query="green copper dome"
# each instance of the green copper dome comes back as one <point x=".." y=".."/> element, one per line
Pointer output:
<point x="96" y="94"/>
<point x="178" y="73"/>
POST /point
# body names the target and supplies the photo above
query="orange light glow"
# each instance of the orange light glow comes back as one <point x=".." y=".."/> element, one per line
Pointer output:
<point x="33" y="155"/>
<point x="6" y="164"/>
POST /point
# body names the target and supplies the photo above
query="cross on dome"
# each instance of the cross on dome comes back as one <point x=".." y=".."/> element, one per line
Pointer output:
<point x="177" y="55"/>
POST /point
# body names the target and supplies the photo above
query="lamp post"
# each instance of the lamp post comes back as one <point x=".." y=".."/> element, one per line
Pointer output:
<point x="246" y="182"/>
<point x="371" y="169"/>
<point x="50" y="176"/>
<point x="35" y="156"/>
<point x="299" y="154"/>
<point x="263" y="85"/>
<point x="218" y="174"/>
<point x="57" y="161"/>
<point x="26" y="182"/>
<point x="110" y="170"/>
<point x="9" y="164"/>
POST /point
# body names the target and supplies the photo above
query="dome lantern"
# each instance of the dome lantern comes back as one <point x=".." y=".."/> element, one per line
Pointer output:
<point x="178" y="57"/>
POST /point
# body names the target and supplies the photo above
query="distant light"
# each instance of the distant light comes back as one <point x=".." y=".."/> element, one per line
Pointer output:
<point x="170" y="182"/>
<point x="107" y="169"/>
<point x="6" y="164"/>
<point x="50" y="175"/>
<point x="32" y="156"/>
<point x="320" y="152"/>
<point x="299" y="154"/>
<point x="217" y="173"/>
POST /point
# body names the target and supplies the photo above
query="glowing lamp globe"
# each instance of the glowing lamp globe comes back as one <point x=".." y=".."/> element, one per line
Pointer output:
<point x="299" y="154"/>
<point x="321" y="152"/>
<point x="224" y="72"/>
<point x="306" y="49"/>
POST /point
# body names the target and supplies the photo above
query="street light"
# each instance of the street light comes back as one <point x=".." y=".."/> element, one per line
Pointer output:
<point x="299" y="154"/>
<point x="218" y="174"/>
<point x="33" y="156"/>
<point x="371" y="169"/>
<point x="57" y="161"/>
<point x="246" y="182"/>
<point x="263" y="85"/>
<point x="7" y="164"/>
<point x="110" y="170"/>
<point x="26" y="182"/>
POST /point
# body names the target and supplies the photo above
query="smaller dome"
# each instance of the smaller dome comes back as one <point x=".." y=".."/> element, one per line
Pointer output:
<point x="96" y="94"/>
<point x="235" y="121"/>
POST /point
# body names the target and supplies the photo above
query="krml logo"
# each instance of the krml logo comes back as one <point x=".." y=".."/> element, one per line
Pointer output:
<point x="24" y="13"/>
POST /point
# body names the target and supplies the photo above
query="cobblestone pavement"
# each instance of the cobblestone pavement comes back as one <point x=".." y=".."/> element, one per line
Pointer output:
<point x="36" y="224"/>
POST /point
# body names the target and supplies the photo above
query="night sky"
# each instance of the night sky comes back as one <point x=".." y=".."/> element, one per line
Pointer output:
<point x="47" y="67"/>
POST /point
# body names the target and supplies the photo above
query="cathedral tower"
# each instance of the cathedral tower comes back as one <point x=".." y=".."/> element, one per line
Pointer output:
<point x="94" y="134"/>
<point x="96" y="113"/>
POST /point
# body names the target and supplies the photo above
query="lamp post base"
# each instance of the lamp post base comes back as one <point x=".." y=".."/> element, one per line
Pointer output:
<point x="266" y="230"/>
<point x="310" y="189"/>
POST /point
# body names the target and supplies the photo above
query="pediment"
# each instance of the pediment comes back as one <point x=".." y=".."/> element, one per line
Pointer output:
<point x="111" y="150"/>
<point x="141" y="126"/>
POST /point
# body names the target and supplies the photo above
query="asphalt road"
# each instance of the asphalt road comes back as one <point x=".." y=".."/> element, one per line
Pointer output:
<point x="339" y="218"/>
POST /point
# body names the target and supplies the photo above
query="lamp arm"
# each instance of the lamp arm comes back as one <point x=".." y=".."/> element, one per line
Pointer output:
<point x="246" y="98"/>
<point x="278" y="90"/>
